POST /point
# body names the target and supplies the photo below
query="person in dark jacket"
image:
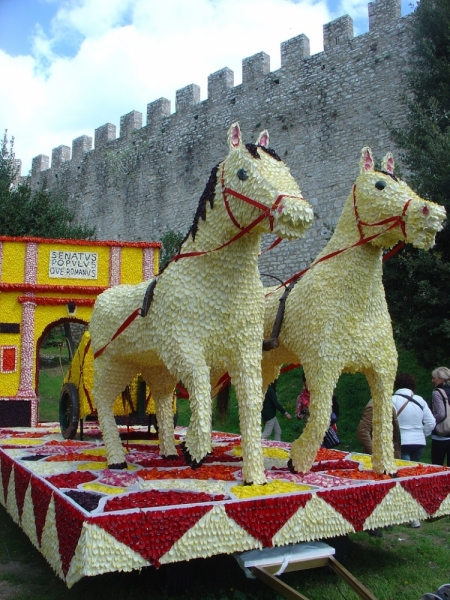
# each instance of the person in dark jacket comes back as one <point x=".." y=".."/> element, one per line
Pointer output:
<point x="269" y="413"/>
<point x="440" y="445"/>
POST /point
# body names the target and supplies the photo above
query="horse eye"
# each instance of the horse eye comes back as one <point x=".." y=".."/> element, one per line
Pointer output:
<point x="242" y="174"/>
<point x="380" y="185"/>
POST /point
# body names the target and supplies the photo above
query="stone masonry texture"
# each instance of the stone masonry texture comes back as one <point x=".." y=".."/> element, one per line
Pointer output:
<point x="319" y="110"/>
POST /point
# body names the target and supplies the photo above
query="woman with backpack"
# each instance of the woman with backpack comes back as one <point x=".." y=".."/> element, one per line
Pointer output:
<point x="414" y="417"/>
<point x="440" y="439"/>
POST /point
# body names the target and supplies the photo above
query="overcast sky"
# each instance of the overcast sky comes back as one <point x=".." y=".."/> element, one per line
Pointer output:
<point x="70" y="66"/>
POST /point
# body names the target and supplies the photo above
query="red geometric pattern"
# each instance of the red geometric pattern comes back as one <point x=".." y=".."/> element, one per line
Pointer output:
<point x="6" y="464"/>
<point x="21" y="481"/>
<point x="69" y="522"/>
<point x="263" y="518"/>
<point x="429" y="493"/>
<point x="151" y="534"/>
<point x="41" y="495"/>
<point x="149" y="522"/>
<point x="356" y="504"/>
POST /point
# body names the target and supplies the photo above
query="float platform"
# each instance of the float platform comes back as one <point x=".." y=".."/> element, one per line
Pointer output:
<point x="87" y="520"/>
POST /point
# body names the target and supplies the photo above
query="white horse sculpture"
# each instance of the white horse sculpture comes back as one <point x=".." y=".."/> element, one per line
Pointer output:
<point x="336" y="318"/>
<point x="207" y="309"/>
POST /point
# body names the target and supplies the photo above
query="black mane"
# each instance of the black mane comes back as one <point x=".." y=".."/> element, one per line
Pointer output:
<point x="391" y="175"/>
<point x="210" y="188"/>
<point x="207" y="196"/>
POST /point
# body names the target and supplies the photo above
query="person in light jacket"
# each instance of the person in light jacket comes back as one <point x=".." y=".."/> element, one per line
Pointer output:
<point x="440" y="445"/>
<point x="415" y="419"/>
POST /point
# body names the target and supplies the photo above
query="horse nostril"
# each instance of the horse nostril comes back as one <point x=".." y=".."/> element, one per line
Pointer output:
<point x="380" y="185"/>
<point x="242" y="174"/>
<point x="425" y="210"/>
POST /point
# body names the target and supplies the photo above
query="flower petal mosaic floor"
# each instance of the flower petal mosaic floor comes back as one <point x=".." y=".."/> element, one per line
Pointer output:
<point x="86" y="519"/>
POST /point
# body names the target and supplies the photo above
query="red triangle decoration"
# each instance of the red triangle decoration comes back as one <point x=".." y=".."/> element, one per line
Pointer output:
<point x="152" y="533"/>
<point x="263" y="518"/>
<point x="41" y="494"/>
<point x="6" y="464"/>
<point x="356" y="504"/>
<point x="21" y="481"/>
<point x="429" y="492"/>
<point x="69" y="522"/>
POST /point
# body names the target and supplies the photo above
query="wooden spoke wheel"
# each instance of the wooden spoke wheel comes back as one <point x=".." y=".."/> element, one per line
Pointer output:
<point x="69" y="411"/>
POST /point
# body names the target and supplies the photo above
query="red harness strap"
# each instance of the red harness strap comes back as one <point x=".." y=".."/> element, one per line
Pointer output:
<point x="265" y="213"/>
<point x="395" y="221"/>
<point x="124" y="325"/>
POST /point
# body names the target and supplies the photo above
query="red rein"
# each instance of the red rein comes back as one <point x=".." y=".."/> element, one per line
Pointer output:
<point x="394" y="222"/>
<point x="265" y="213"/>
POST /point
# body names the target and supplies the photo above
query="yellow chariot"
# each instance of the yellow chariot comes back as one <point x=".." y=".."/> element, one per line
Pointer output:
<point x="134" y="405"/>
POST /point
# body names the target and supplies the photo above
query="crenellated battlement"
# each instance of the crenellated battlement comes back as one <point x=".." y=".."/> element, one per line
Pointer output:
<point x="319" y="109"/>
<point x="339" y="33"/>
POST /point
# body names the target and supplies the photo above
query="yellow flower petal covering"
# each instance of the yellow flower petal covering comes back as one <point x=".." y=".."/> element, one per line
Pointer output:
<point x="207" y="309"/>
<point x="104" y="489"/>
<point x="274" y="487"/>
<point x="20" y="442"/>
<point x="268" y="452"/>
<point x="336" y="318"/>
<point x="90" y="466"/>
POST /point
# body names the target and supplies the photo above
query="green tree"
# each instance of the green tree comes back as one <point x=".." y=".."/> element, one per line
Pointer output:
<point x="41" y="213"/>
<point x="417" y="283"/>
<point x="171" y="241"/>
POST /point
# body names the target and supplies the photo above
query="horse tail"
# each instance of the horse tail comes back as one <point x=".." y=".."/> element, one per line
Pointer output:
<point x="223" y="400"/>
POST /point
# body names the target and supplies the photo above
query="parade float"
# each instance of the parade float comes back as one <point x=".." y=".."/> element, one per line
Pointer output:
<point x="118" y="500"/>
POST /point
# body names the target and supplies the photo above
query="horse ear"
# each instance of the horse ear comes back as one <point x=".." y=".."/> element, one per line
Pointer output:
<point x="388" y="163"/>
<point x="234" y="136"/>
<point x="263" y="139"/>
<point x="366" y="164"/>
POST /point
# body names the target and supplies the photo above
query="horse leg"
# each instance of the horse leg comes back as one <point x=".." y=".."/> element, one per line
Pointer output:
<point x="321" y="384"/>
<point x="381" y="387"/>
<point x="196" y="378"/>
<point x="109" y="381"/>
<point x="270" y="373"/>
<point x="162" y="385"/>
<point x="248" y="387"/>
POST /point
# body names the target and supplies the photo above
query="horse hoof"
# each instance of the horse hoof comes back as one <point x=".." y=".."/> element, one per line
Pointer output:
<point x="194" y="464"/>
<point x="118" y="466"/>
<point x="251" y="483"/>
<point x="393" y="475"/>
<point x="169" y="456"/>
<point x="291" y="466"/>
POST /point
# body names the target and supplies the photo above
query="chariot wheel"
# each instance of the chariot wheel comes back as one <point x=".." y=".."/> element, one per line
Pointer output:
<point x="69" y="411"/>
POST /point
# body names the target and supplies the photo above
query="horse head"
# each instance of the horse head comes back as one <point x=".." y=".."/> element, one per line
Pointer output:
<point x="388" y="210"/>
<point x="259" y="191"/>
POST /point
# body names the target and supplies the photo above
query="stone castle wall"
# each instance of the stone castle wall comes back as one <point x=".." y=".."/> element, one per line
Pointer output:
<point x="319" y="110"/>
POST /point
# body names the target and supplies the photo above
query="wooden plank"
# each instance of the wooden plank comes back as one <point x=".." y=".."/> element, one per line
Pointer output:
<point x="356" y="585"/>
<point x="276" y="584"/>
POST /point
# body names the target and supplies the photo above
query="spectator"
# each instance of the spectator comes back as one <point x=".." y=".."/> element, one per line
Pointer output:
<point x="364" y="431"/>
<point x="269" y="413"/>
<point x="415" y="419"/>
<point x="331" y="439"/>
<point x="440" y="444"/>
<point x="303" y="401"/>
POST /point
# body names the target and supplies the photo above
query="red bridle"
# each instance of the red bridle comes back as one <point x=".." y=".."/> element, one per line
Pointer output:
<point x="266" y="213"/>
<point x="396" y="221"/>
